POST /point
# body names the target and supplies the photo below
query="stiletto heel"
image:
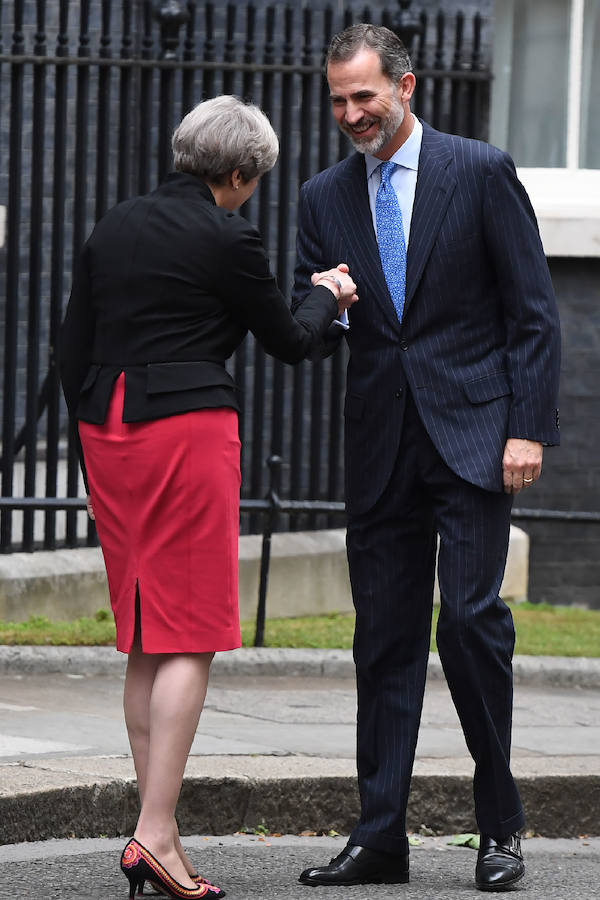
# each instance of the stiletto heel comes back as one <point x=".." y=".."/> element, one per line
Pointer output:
<point x="135" y="883"/>
<point x="138" y="865"/>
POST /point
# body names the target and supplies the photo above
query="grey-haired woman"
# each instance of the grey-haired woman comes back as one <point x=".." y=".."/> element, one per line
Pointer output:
<point x="166" y="289"/>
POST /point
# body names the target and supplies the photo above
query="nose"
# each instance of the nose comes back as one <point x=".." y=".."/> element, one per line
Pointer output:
<point x="353" y="113"/>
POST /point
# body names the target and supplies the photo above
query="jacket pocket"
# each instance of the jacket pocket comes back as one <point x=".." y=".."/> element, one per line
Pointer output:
<point x="488" y="387"/>
<point x="161" y="378"/>
<point x="354" y="407"/>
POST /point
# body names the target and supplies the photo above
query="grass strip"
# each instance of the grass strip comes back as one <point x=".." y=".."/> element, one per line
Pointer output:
<point x="541" y="629"/>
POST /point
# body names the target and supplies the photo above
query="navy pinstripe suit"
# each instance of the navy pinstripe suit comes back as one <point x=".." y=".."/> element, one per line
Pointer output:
<point x="429" y="406"/>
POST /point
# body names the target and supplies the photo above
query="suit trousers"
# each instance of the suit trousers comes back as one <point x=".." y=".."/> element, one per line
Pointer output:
<point x="391" y="553"/>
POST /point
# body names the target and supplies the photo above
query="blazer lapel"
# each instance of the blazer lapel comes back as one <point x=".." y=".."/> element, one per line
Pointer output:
<point x="435" y="186"/>
<point x="356" y="223"/>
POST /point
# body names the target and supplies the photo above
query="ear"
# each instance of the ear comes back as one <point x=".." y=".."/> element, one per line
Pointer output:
<point x="406" y="87"/>
<point x="236" y="179"/>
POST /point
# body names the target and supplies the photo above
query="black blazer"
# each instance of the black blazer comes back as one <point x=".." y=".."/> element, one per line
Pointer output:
<point x="165" y="290"/>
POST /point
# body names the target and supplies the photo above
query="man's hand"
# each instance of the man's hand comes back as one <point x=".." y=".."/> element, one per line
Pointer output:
<point x="345" y="288"/>
<point x="521" y="464"/>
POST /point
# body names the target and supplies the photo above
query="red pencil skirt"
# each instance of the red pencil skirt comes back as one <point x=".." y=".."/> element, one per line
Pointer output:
<point x="166" y="495"/>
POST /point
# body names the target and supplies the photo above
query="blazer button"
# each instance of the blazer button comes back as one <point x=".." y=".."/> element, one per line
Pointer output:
<point x="399" y="393"/>
<point x="404" y="345"/>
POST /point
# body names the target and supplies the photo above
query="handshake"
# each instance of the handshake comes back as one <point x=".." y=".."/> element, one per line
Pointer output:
<point x="340" y="284"/>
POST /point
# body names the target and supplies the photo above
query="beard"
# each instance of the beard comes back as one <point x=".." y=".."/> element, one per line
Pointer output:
<point x="388" y="127"/>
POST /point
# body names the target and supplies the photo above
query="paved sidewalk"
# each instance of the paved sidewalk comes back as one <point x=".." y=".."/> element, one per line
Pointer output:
<point x="276" y="746"/>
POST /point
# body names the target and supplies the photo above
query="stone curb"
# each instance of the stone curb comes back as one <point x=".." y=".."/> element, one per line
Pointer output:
<point x="555" y="806"/>
<point x="552" y="671"/>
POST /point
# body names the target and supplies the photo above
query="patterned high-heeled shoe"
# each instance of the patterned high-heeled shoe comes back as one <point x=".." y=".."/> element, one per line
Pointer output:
<point x="216" y="893"/>
<point x="138" y="865"/>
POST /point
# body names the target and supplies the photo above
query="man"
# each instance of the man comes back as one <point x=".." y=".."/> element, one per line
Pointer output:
<point x="451" y="394"/>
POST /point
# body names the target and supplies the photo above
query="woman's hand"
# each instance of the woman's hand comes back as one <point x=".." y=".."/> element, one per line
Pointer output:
<point x="90" y="508"/>
<point x="340" y="284"/>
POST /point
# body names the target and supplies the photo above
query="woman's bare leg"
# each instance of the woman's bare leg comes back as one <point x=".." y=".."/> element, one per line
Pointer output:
<point x="176" y="702"/>
<point x="141" y="669"/>
<point x="139" y="679"/>
<point x="164" y="696"/>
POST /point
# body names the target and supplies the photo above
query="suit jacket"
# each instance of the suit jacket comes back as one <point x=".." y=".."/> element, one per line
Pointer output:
<point x="166" y="288"/>
<point x="479" y="342"/>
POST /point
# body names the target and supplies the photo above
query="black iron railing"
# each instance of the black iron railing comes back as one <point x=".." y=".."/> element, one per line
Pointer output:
<point x="89" y="95"/>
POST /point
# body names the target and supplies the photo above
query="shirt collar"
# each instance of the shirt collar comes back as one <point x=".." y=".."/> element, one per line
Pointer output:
<point x="407" y="155"/>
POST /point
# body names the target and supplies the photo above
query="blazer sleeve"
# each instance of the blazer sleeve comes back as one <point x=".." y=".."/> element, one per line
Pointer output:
<point x="309" y="259"/>
<point x="530" y="310"/>
<point x="76" y="340"/>
<point x="249" y="290"/>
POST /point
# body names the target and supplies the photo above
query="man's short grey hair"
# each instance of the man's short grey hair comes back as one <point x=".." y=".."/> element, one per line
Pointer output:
<point x="224" y="134"/>
<point x="393" y="55"/>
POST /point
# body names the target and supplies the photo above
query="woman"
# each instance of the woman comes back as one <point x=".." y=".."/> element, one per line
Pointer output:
<point x="166" y="288"/>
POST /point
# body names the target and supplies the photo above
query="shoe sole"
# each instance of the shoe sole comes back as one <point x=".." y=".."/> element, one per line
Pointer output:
<point x="402" y="879"/>
<point x="504" y="886"/>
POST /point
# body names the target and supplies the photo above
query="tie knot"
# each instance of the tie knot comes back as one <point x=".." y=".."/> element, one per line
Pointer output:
<point x="385" y="171"/>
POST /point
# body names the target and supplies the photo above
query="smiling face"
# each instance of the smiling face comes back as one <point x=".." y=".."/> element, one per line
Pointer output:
<point x="368" y="107"/>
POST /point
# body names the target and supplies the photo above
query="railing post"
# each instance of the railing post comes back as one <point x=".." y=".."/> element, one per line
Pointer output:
<point x="406" y="25"/>
<point x="13" y="272"/>
<point x="171" y="15"/>
<point x="274" y="464"/>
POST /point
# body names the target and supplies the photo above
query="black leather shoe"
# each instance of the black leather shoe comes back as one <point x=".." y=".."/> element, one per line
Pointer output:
<point x="499" y="863"/>
<point x="359" y="865"/>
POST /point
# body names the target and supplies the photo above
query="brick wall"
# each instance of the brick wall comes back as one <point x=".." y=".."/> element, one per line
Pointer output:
<point x="564" y="557"/>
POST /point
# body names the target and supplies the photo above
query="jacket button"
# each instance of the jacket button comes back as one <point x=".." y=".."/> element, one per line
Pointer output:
<point x="399" y="393"/>
<point x="404" y="345"/>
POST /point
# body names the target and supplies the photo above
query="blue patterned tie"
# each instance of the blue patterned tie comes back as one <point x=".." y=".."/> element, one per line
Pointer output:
<point x="390" y="237"/>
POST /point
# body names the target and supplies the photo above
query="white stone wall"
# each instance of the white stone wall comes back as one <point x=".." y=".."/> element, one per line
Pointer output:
<point x="308" y="576"/>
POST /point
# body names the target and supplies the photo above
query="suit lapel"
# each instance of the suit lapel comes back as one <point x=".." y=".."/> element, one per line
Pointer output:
<point x="435" y="187"/>
<point x="356" y="223"/>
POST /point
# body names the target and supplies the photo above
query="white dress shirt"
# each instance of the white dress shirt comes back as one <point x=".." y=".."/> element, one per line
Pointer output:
<point x="404" y="178"/>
